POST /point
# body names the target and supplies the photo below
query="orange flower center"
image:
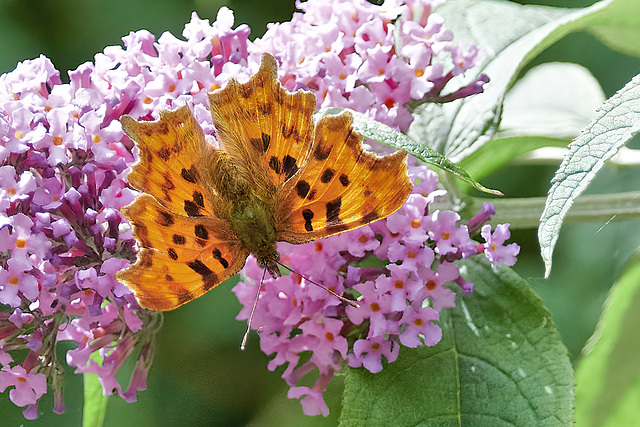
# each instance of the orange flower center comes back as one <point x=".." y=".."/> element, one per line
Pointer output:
<point x="21" y="243"/>
<point x="96" y="139"/>
<point x="13" y="280"/>
<point x="363" y="239"/>
<point x="57" y="140"/>
<point x="415" y="223"/>
<point x="418" y="322"/>
<point x="445" y="236"/>
<point x="328" y="336"/>
<point x="411" y="254"/>
<point x="431" y="284"/>
<point x="318" y="246"/>
<point x="419" y="73"/>
<point x="375" y="307"/>
<point x="19" y="134"/>
<point x="375" y="346"/>
<point x="398" y="284"/>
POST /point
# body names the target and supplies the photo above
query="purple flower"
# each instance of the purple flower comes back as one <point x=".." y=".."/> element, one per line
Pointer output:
<point x="28" y="388"/>
<point x="494" y="249"/>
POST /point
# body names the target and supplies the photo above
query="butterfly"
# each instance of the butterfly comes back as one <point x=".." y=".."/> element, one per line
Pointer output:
<point x="277" y="176"/>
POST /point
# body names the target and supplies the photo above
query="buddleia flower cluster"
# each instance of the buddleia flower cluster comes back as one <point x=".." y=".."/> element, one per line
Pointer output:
<point x="64" y="161"/>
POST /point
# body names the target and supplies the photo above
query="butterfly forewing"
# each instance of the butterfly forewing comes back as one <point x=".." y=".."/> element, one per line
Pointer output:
<point x="341" y="186"/>
<point x="170" y="167"/>
<point x="260" y="121"/>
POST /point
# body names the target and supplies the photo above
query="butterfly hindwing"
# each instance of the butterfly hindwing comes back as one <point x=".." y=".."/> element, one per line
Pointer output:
<point x="341" y="186"/>
<point x="181" y="257"/>
<point x="259" y="121"/>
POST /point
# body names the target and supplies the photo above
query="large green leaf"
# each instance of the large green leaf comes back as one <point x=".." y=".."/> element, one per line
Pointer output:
<point x="615" y="123"/>
<point x="608" y="375"/>
<point x="500" y="362"/>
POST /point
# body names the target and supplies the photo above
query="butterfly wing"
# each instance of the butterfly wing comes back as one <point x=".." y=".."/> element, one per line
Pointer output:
<point x="187" y="248"/>
<point x="264" y="127"/>
<point x="341" y="186"/>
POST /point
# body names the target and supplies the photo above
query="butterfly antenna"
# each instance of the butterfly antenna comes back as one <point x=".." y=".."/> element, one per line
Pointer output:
<point x="340" y="297"/>
<point x="253" y="309"/>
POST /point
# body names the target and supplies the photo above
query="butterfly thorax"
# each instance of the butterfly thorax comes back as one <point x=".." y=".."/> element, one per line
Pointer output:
<point x="253" y="222"/>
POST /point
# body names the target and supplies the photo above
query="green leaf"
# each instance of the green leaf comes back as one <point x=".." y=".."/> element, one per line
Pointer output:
<point x="509" y="36"/>
<point x="616" y="25"/>
<point x="500" y="362"/>
<point x="386" y="135"/>
<point x="95" y="403"/>
<point x="615" y="123"/>
<point x="555" y="100"/>
<point x="608" y="375"/>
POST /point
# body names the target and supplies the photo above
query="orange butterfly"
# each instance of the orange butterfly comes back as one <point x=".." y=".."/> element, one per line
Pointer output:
<point x="276" y="177"/>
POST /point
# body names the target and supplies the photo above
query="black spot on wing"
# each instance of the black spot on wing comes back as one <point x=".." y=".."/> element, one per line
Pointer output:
<point x="204" y="271"/>
<point x="275" y="164"/>
<point x="217" y="255"/>
<point x="179" y="239"/>
<point x="289" y="166"/>
<point x="307" y="214"/>
<point x="191" y="208"/>
<point x="344" y="180"/>
<point x="165" y="219"/>
<point x="327" y="175"/>
<point x="302" y="188"/>
<point x="321" y="152"/>
<point x="172" y="254"/>
<point x="201" y="231"/>
<point x="333" y="210"/>
<point x="190" y="175"/>
<point x="266" y="141"/>
<point x="198" y="199"/>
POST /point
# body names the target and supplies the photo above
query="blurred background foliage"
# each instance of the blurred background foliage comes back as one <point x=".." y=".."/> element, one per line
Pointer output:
<point x="200" y="377"/>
